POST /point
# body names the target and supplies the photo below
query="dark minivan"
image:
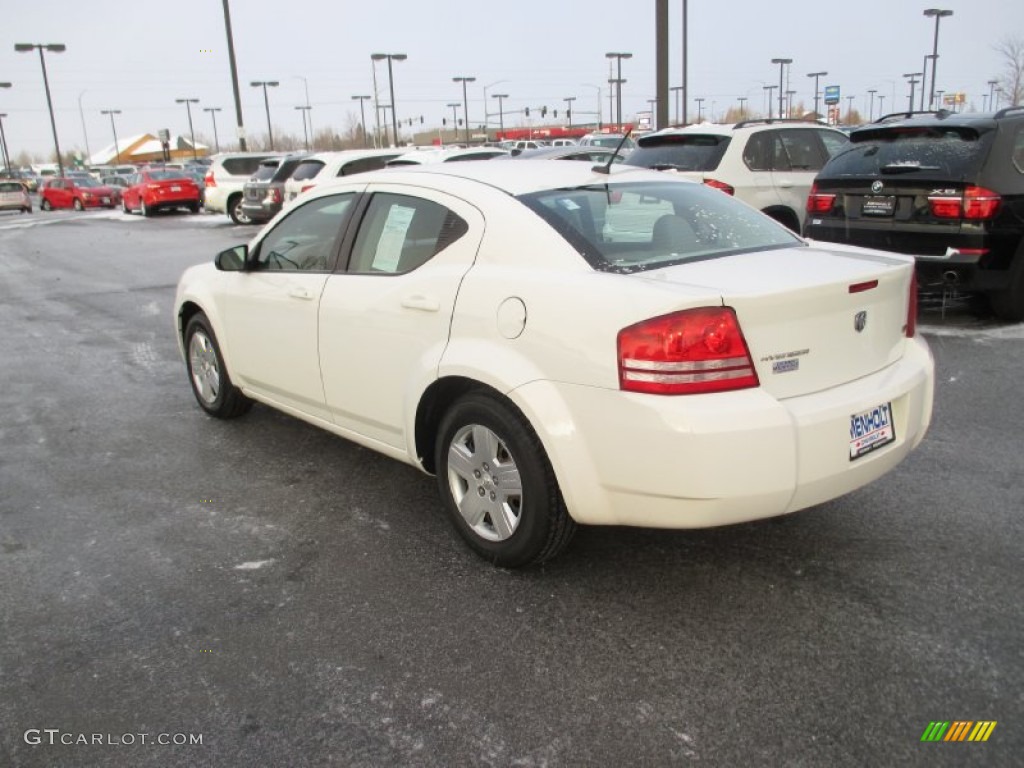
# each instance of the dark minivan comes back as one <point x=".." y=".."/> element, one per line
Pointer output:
<point x="263" y="195"/>
<point x="945" y="188"/>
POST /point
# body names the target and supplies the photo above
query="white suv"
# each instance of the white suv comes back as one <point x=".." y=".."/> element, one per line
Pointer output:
<point x="225" y="179"/>
<point x="768" y="164"/>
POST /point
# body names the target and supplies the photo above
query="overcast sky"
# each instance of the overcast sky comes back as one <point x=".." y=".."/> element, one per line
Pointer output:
<point x="138" y="56"/>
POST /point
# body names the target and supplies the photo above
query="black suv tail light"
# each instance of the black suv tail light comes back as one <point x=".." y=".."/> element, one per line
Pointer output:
<point x="976" y="203"/>
<point x="819" y="202"/>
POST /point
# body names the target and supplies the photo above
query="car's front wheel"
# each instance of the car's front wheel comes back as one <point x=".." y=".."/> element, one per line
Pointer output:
<point x="124" y="206"/>
<point x="497" y="484"/>
<point x="46" y="205"/>
<point x="78" y="205"/>
<point x="144" y="209"/>
<point x="210" y="381"/>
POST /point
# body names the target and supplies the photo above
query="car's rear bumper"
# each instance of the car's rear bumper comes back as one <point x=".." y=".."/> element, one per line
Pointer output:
<point x="707" y="460"/>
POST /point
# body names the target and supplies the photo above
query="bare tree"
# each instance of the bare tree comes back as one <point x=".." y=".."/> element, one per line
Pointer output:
<point x="1011" y="79"/>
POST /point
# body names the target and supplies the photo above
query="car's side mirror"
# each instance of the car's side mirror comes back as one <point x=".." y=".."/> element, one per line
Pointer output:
<point x="233" y="259"/>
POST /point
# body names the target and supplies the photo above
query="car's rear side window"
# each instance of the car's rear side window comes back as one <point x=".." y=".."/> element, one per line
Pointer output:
<point x="953" y="152"/>
<point x="400" y="233"/>
<point x="647" y="225"/>
<point x="364" y="164"/>
<point x="265" y="172"/>
<point x="680" y="153"/>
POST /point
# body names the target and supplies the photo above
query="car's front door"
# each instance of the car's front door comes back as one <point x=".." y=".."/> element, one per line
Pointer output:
<point x="270" y="310"/>
<point x="384" y="321"/>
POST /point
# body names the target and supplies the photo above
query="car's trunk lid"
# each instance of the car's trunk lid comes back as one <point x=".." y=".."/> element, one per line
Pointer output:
<point x="813" y="318"/>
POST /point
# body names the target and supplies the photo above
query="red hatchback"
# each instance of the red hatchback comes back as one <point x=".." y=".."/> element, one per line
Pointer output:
<point x="155" y="188"/>
<point x="76" y="193"/>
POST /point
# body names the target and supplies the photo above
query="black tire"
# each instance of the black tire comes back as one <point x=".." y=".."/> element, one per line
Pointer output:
<point x="124" y="206"/>
<point x="193" y="207"/>
<point x="211" y="384"/>
<point x="531" y="525"/>
<point x="144" y="209"/>
<point x="1008" y="304"/>
<point x="46" y="205"/>
<point x="235" y="210"/>
<point x="77" y="204"/>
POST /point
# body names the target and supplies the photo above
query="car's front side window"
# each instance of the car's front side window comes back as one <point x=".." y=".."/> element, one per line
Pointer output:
<point x="306" y="239"/>
<point x="400" y="233"/>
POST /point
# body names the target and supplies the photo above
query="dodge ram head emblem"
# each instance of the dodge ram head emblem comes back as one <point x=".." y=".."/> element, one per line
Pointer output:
<point x="876" y="186"/>
<point x="859" y="321"/>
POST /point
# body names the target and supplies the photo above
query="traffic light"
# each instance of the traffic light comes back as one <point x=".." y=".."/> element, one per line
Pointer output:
<point x="568" y="114"/>
<point x="543" y="111"/>
<point x="554" y="113"/>
<point x="526" y="111"/>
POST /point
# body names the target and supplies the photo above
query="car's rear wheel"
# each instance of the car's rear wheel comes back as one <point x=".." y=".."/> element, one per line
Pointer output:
<point x="1008" y="304"/>
<point x="497" y="484"/>
<point x="210" y="381"/>
<point x="46" y="205"/>
<point x="193" y="207"/>
<point x="144" y="209"/>
<point x="124" y="206"/>
<point x="235" y="211"/>
<point x="78" y="205"/>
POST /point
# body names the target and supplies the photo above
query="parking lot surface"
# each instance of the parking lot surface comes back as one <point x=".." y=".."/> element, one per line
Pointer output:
<point x="293" y="599"/>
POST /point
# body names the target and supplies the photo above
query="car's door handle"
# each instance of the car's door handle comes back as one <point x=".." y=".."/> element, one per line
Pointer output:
<point x="424" y="303"/>
<point x="301" y="293"/>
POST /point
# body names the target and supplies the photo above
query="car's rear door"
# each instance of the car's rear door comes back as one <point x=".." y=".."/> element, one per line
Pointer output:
<point x="384" y="320"/>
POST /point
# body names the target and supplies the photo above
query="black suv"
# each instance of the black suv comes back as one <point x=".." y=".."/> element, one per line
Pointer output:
<point x="945" y="188"/>
<point x="263" y="194"/>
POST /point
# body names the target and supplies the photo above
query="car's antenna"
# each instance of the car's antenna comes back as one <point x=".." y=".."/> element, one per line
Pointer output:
<point x="608" y="167"/>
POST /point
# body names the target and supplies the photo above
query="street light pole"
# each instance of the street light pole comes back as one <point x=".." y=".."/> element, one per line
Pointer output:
<point x="913" y="81"/>
<point x="117" y="149"/>
<point x="938" y="13"/>
<point x="700" y="107"/>
<point x="465" y="102"/>
<point x="816" y="75"/>
<point x="678" y="91"/>
<point x="81" y="116"/>
<point x="216" y="139"/>
<point x="568" y="108"/>
<point x="192" y="134"/>
<point x="307" y="113"/>
<point x="53" y="48"/>
<point x="4" y="154"/>
<point x="992" y="94"/>
<point x="501" y="111"/>
<point x="239" y="125"/>
<point x="768" y="90"/>
<point x="391" y="86"/>
<point x="618" y="83"/>
<point x="741" y="100"/>
<point x="455" y="119"/>
<point x="305" y="133"/>
<point x="264" y="84"/>
<point x="782" y="69"/>
<point x="871" y="109"/>
<point x="362" y="115"/>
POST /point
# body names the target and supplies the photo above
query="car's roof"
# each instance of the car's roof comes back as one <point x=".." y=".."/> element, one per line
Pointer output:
<point x="424" y="156"/>
<point x="518" y="178"/>
<point x="942" y="117"/>
<point x="554" y="153"/>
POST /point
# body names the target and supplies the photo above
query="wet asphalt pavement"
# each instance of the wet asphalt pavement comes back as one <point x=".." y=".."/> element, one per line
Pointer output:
<point x="292" y="599"/>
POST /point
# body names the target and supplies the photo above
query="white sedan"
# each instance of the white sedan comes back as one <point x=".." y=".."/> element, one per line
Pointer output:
<point x="563" y="346"/>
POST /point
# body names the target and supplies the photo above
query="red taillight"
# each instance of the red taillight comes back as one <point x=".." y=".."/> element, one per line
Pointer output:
<point x="305" y="187"/>
<point x="977" y="203"/>
<point x="819" y="202"/>
<point x="209" y="180"/>
<point x="273" y="195"/>
<point x="980" y="203"/>
<point x="911" y="327"/>
<point x="721" y="185"/>
<point x="690" y="352"/>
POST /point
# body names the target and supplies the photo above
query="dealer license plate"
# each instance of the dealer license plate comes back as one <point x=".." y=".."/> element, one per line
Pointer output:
<point x="175" y="188"/>
<point x="870" y="430"/>
<point x="106" y="200"/>
<point x="879" y="206"/>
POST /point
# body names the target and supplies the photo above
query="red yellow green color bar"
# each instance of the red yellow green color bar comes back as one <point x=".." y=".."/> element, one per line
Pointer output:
<point x="958" y="730"/>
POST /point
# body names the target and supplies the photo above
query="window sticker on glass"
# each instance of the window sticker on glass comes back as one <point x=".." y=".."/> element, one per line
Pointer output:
<point x="392" y="238"/>
<point x="569" y="205"/>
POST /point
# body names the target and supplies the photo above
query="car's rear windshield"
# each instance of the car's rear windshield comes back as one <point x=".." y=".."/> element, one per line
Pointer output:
<point x="266" y="171"/>
<point x="168" y="175"/>
<point x="637" y="226"/>
<point x="948" y="152"/>
<point x="307" y="169"/>
<point x="11" y="186"/>
<point x="680" y="153"/>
